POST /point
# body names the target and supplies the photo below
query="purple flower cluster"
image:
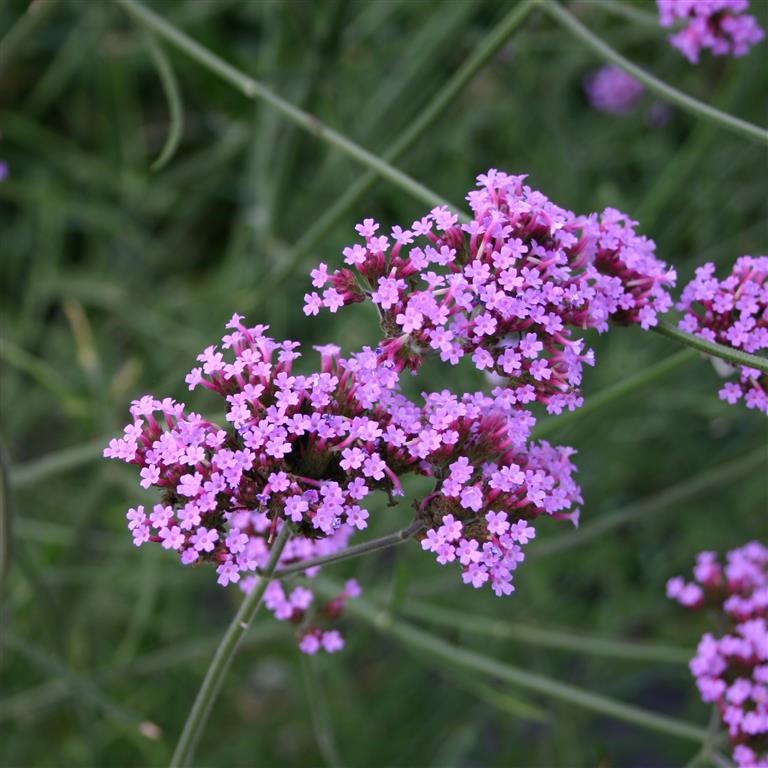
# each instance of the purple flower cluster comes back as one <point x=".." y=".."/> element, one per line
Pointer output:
<point x="732" y="671"/>
<point x="507" y="290"/>
<point x="611" y="89"/>
<point x="294" y="606"/>
<point x="306" y="450"/>
<point x="734" y="312"/>
<point x="722" y="26"/>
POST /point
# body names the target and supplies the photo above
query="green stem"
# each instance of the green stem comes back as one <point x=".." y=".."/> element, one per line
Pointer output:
<point x="447" y="95"/>
<point x="391" y="540"/>
<point x="701" y="483"/>
<point x="616" y="391"/>
<point x="565" y="640"/>
<point x="436" y="648"/>
<point x="173" y="97"/>
<point x="629" y="12"/>
<point x="653" y="84"/>
<point x="214" y="677"/>
<point x="7" y="514"/>
<point x="729" y="354"/>
<point x="24" y="27"/>
<point x="318" y="708"/>
<point x="255" y="90"/>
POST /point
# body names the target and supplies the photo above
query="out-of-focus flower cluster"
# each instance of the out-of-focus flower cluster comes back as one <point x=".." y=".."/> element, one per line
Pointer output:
<point x="611" y="89"/>
<point x="720" y="26"/>
<point x="734" y="312"/>
<point x="508" y="289"/>
<point x="732" y="671"/>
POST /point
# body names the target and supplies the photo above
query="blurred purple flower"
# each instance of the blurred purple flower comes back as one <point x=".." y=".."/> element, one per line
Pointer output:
<point x="610" y="89"/>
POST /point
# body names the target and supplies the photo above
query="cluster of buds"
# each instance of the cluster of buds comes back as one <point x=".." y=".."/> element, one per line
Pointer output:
<point x="295" y="606"/>
<point x="507" y="290"/>
<point x="720" y="26"/>
<point x="732" y="671"/>
<point x="307" y="450"/>
<point x="734" y="312"/>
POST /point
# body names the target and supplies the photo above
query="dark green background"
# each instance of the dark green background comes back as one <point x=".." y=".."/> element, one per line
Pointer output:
<point x="112" y="278"/>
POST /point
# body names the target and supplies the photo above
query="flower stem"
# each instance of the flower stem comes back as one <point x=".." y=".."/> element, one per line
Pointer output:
<point x="24" y="27"/>
<point x="697" y="485"/>
<point x="560" y="639"/>
<point x="326" y="742"/>
<point x="653" y="84"/>
<point x="256" y="91"/>
<point x="438" y="649"/>
<point x="391" y="540"/>
<point x="616" y="391"/>
<point x="214" y="677"/>
<point x="729" y="354"/>
<point x="446" y="96"/>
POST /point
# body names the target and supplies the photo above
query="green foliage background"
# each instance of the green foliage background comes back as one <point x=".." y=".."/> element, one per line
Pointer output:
<point x="112" y="278"/>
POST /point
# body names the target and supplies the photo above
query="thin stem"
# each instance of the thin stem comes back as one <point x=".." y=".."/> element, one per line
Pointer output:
<point x="729" y="354"/>
<point x="256" y="91"/>
<point x="653" y="84"/>
<point x="7" y="514"/>
<point x="34" y="15"/>
<point x="701" y="483"/>
<point x="173" y="97"/>
<point x="628" y="12"/>
<point x="616" y="391"/>
<point x="438" y="649"/>
<point x="319" y="710"/>
<point x="214" y="677"/>
<point x="563" y="639"/>
<point x="446" y="96"/>
<point x="391" y="540"/>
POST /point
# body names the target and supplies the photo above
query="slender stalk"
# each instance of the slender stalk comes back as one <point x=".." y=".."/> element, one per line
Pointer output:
<point x="616" y="391"/>
<point x="173" y="97"/>
<point x="56" y="462"/>
<point x="446" y="96"/>
<point x="701" y="483"/>
<point x="214" y="677"/>
<point x="729" y="354"/>
<point x="562" y="639"/>
<point x="34" y="15"/>
<point x="653" y="84"/>
<point x="318" y="708"/>
<point x="256" y="91"/>
<point x="391" y="540"/>
<point x="7" y="514"/>
<point x="629" y="12"/>
<point x="435" y="648"/>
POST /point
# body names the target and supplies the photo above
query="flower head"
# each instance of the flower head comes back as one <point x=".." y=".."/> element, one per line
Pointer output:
<point x="733" y="312"/>
<point x="720" y="26"/>
<point x="732" y="671"/>
<point x="511" y="289"/>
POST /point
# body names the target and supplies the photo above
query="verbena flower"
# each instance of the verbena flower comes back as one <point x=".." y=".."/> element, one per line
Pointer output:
<point x="611" y="89"/>
<point x="731" y="671"/>
<point x="734" y="312"/>
<point x="720" y="26"/>
<point x="507" y="290"/>
<point x="306" y="450"/>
